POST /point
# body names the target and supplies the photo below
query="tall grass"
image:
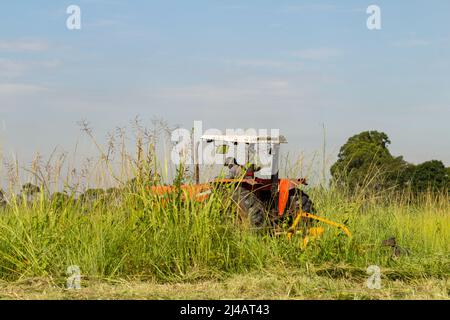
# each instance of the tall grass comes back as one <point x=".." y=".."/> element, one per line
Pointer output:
<point x="131" y="232"/>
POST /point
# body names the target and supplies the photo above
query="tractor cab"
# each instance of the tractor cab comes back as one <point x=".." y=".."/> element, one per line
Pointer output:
<point x="260" y="150"/>
<point x="276" y="194"/>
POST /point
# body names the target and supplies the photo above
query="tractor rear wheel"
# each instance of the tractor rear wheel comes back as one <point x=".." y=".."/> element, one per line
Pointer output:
<point x="249" y="206"/>
<point x="300" y="200"/>
<point x="307" y="204"/>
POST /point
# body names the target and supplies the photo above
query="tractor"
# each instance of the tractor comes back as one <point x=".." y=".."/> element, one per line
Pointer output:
<point x="277" y="203"/>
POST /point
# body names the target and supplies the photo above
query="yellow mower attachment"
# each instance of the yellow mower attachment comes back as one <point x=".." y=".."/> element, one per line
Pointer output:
<point x="315" y="232"/>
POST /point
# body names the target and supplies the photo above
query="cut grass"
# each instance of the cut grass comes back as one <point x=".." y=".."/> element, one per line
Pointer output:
<point x="273" y="285"/>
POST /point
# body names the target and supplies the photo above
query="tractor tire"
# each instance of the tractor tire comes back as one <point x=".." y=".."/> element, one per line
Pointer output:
<point x="301" y="200"/>
<point x="308" y="207"/>
<point x="249" y="206"/>
<point x="307" y="204"/>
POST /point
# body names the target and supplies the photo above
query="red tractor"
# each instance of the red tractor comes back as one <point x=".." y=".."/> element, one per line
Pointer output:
<point x="267" y="201"/>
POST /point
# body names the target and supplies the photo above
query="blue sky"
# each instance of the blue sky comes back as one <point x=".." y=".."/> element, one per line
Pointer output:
<point x="292" y="65"/>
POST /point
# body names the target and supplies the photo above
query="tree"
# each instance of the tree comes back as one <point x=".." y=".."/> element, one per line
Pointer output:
<point x="430" y="176"/>
<point x="29" y="191"/>
<point x="59" y="200"/>
<point x="448" y="179"/>
<point x="3" y="201"/>
<point x="91" y="195"/>
<point x="365" y="160"/>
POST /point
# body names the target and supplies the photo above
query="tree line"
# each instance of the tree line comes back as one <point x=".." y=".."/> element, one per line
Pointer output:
<point x="365" y="161"/>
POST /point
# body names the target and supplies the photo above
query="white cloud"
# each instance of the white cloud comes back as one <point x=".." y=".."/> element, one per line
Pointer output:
<point x="15" y="96"/>
<point x="264" y="63"/>
<point x="23" y="46"/>
<point x="238" y="91"/>
<point x="252" y="98"/>
<point x="13" y="69"/>
<point x="317" y="53"/>
<point x="410" y="43"/>
<point x="308" y="7"/>
<point x="9" y="68"/>
<point x="19" y="89"/>
<point x="103" y="23"/>
<point x="322" y="8"/>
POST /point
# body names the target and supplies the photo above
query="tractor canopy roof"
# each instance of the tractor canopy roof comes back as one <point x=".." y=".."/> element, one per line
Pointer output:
<point x="250" y="139"/>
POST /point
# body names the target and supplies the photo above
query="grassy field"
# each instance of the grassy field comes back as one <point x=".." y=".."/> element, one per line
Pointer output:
<point x="132" y="244"/>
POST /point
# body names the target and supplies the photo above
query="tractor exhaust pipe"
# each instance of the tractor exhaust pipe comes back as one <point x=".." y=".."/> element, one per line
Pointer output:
<point x="196" y="163"/>
<point x="274" y="187"/>
<point x="275" y="152"/>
